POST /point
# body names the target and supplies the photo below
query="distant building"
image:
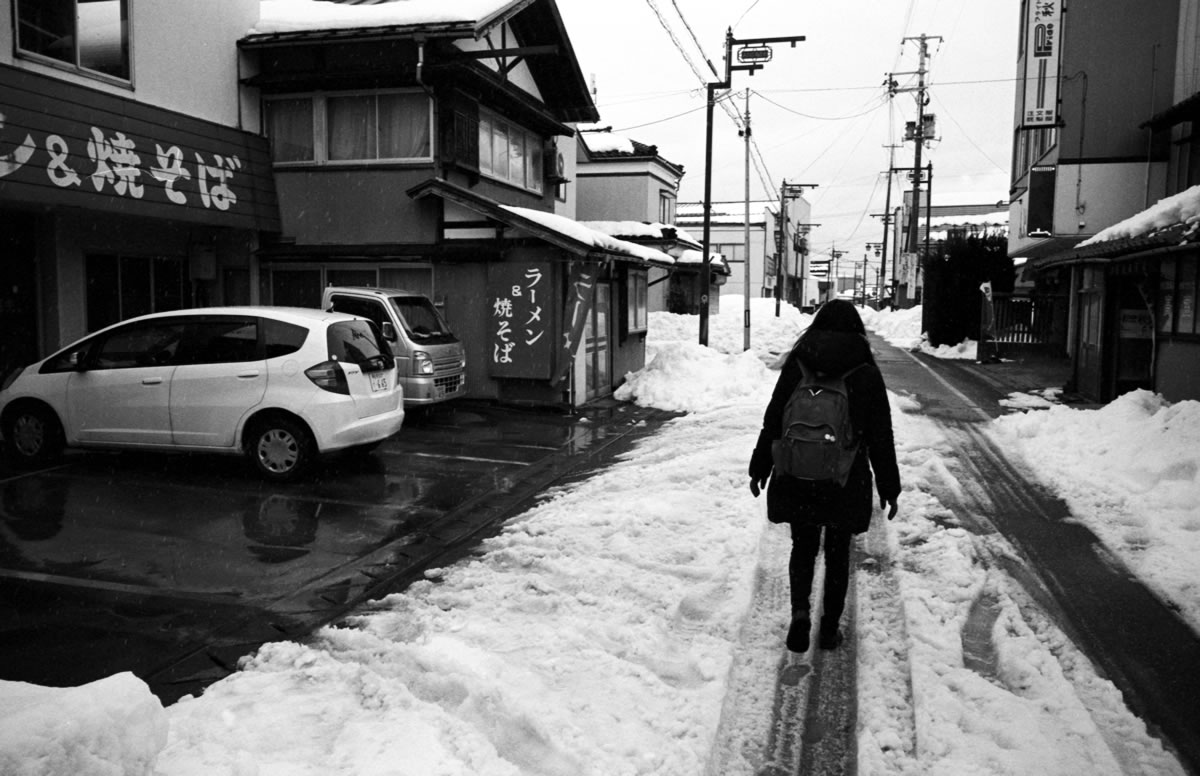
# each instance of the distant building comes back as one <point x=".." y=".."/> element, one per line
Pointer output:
<point x="771" y="257"/>
<point x="626" y="189"/>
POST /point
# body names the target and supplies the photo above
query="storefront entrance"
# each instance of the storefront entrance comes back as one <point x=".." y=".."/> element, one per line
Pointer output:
<point x="595" y="344"/>
<point x="18" y="293"/>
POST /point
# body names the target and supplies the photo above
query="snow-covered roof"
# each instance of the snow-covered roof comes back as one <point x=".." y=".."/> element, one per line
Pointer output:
<point x="1181" y="209"/>
<point x="279" y="16"/>
<point x="996" y="218"/>
<point x="589" y="236"/>
<point x="607" y="143"/>
<point x="641" y="230"/>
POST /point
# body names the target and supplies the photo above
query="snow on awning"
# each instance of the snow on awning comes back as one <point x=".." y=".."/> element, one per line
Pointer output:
<point x="291" y="16"/>
<point x="1180" y="209"/>
<point x="563" y="232"/>
<point x="643" y="230"/>
<point x="588" y="236"/>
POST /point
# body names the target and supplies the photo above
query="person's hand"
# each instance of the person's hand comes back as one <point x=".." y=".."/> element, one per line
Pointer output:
<point x="757" y="485"/>
<point x="891" y="504"/>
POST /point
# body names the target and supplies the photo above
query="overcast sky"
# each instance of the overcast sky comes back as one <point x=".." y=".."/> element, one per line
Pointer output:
<point x="819" y="113"/>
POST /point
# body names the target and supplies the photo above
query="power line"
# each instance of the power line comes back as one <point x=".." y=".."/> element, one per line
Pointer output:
<point x="663" y="120"/>
<point x="696" y="40"/>
<point x="965" y="134"/>
<point x="881" y="102"/>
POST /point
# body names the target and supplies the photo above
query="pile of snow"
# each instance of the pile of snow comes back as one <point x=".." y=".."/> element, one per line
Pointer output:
<point x="1130" y="471"/>
<point x="588" y="236"/>
<point x="607" y="142"/>
<point x="1181" y="208"/>
<point x="114" y="725"/>
<point x="901" y="328"/>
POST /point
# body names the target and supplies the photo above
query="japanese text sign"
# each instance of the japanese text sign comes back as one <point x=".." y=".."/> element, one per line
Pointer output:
<point x="520" y="319"/>
<point x="1042" y="50"/>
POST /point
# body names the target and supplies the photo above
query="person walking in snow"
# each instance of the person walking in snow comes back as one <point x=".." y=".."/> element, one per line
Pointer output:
<point x="835" y="343"/>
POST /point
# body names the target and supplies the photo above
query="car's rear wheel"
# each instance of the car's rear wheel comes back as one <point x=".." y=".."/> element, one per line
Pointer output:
<point x="32" y="435"/>
<point x="280" y="448"/>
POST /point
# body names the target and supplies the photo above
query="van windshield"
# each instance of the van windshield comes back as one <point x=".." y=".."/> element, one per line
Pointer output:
<point x="422" y="320"/>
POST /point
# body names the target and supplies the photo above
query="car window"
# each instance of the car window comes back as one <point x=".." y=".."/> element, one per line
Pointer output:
<point x="371" y="309"/>
<point x="282" y="339"/>
<point x="149" y="343"/>
<point x="421" y="319"/>
<point x="358" y="342"/>
<point x="223" y="340"/>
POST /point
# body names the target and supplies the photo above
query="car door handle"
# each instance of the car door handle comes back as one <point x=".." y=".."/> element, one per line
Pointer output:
<point x="152" y="381"/>
<point x="248" y="375"/>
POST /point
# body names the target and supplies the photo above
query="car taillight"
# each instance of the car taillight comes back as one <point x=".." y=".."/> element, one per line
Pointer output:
<point x="328" y="375"/>
<point x="422" y="363"/>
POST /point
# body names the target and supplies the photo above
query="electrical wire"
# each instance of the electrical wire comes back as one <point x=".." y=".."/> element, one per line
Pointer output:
<point x="663" y="120"/>
<point x="880" y="98"/>
<point x="943" y="110"/>
<point x="696" y="40"/>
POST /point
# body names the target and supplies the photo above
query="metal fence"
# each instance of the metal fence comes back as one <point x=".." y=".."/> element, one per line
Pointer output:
<point x="1024" y="320"/>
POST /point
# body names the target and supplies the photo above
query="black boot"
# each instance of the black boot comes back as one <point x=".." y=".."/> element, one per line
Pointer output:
<point x="831" y="635"/>
<point x="798" y="632"/>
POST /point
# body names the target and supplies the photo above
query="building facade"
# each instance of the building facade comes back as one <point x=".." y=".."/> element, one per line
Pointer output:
<point x="1110" y="138"/>
<point x="428" y="151"/>
<point x="131" y="179"/>
<point x="771" y="256"/>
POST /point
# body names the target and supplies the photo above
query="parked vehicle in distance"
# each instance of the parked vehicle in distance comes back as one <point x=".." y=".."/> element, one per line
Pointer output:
<point x="280" y="385"/>
<point x="431" y="359"/>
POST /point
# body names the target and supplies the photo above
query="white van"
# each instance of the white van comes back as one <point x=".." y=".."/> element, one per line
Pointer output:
<point x="431" y="361"/>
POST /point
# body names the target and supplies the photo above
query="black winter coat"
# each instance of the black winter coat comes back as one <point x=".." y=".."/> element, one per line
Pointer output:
<point x="790" y="500"/>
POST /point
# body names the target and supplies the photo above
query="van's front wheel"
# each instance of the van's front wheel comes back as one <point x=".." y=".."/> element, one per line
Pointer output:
<point x="280" y="448"/>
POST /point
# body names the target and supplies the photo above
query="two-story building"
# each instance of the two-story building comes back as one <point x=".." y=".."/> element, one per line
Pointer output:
<point x="628" y="190"/>
<point x="422" y="145"/>
<point x="133" y="177"/>
<point x="1104" y="114"/>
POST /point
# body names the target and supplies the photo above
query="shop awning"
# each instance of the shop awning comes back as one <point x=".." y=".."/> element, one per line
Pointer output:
<point x="559" y="231"/>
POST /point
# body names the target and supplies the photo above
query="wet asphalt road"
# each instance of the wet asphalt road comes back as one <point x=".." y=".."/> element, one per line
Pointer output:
<point x="175" y="566"/>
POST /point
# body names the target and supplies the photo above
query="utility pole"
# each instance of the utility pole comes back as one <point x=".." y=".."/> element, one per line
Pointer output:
<point x="887" y="220"/>
<point x="920" y="134"/>
<point x="746" y="238"/>
<point x="752" y="55"/>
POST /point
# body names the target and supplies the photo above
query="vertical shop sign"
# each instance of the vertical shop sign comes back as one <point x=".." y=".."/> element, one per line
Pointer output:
<point x="1042" y="49"/>
<point x="520" y="299"/>
<point x="581" y="293"/>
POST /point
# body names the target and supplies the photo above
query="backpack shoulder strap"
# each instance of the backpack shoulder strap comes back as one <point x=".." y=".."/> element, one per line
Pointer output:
<point x="852" y="370"/>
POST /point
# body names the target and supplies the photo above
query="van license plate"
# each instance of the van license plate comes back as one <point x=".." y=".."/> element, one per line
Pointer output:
<point x="379" y="382"/>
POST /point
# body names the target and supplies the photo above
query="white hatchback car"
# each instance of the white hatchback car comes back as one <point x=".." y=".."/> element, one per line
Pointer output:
<point x="278" y="384"/>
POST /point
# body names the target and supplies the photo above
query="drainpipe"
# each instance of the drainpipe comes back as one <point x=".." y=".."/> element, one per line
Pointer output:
<point x="1150" y="130"/>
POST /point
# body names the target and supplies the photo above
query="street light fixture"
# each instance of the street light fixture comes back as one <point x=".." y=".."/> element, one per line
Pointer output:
<point x="752" y="59"/>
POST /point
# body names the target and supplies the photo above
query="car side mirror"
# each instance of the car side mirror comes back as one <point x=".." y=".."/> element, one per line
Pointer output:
<point x="76" y="361"/>
<point x="389" y="331"/>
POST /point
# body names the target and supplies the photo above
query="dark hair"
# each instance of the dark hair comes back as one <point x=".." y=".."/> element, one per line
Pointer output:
<point x="838" y="315"/>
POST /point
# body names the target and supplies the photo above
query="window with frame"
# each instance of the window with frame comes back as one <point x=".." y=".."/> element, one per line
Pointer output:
<point x="666" y="207"/>
<point x="120" y="287"/>
<point x="636" y="307"/>
<point x="1177" y="287"/>
<point x="375" y="127"/>
<point x="87" y="35"/>
<point x="1031" y="146"/>
<point x="510" y="154"/>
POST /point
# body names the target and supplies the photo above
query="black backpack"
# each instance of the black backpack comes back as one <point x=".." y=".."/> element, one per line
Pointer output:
<point x="818" y="442"/>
